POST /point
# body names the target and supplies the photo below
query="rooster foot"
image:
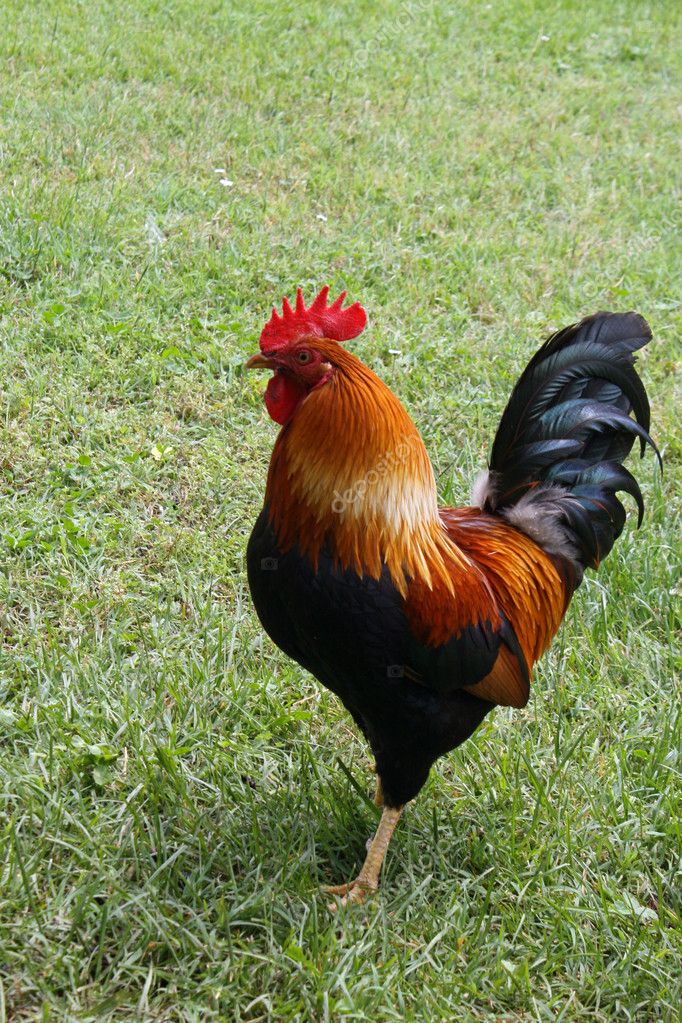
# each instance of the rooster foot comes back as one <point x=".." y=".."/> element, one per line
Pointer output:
<point x="367" y="881"/>
<point x="353" y="893"/>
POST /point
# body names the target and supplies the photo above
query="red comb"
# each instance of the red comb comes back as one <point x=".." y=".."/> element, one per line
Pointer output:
<point x="318" y="320"/>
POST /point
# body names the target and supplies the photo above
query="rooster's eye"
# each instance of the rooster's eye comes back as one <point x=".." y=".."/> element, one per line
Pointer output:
<point x="304" y="357"/>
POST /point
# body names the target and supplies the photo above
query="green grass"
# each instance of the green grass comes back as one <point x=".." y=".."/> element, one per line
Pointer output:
<point x="173" y="789"/>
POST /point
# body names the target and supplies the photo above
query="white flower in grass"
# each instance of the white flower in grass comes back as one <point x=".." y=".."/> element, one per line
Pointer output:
<point x="155" y="235"/>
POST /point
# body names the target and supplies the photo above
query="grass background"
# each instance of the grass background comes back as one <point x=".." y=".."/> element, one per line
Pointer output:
<point x="173" y="790"/>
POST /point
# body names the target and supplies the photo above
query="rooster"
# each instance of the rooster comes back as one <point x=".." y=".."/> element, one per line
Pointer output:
<point x="422" y="619"/>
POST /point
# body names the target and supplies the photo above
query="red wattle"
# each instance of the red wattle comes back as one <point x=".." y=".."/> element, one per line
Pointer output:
<point x="282" y="397"/>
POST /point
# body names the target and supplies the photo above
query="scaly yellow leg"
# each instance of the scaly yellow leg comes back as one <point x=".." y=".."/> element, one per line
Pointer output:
<point x="367" y="880"/>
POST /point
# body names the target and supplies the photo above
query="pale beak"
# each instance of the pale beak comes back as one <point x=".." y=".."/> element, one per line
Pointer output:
<point x="260" y="361"/>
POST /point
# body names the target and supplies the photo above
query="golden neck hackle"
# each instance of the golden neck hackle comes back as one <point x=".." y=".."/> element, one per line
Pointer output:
<point x="350" y="470"/>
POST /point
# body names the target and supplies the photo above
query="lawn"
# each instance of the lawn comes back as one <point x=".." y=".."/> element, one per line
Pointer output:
<point x="173" y="789"/>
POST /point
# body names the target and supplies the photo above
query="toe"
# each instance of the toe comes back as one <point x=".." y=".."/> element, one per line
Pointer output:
<point x="353" y="894"/>
<point x="336" y="889"/>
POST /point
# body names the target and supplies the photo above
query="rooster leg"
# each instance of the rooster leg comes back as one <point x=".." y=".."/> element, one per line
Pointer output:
<point x="379" y="793"/>
<point x="367" y="881"/>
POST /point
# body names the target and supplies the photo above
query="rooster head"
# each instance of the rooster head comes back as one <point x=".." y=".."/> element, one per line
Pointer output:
<point x="294" y="346"/>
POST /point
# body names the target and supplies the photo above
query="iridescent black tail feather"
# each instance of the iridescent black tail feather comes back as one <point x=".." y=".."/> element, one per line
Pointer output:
<point x="573" y="417"/>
